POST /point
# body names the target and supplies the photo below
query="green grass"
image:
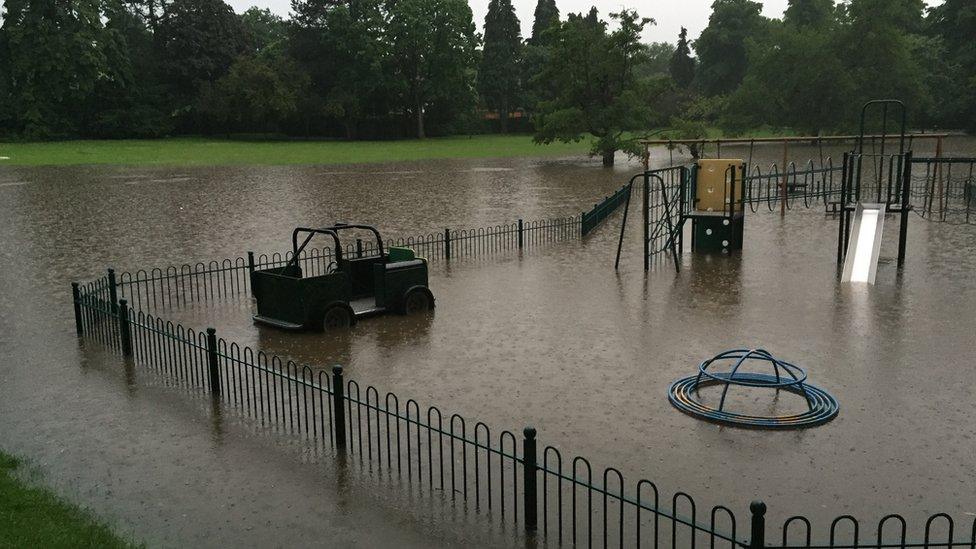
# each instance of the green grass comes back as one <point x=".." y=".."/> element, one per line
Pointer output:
<point x="212" y="152"/>
<point x="34" y="517"/>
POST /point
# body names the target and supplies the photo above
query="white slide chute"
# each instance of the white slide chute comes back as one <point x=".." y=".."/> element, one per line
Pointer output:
<point x="861" y="264"/>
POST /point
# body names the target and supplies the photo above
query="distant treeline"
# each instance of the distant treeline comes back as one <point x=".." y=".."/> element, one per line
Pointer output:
<point x="410" y="68"/>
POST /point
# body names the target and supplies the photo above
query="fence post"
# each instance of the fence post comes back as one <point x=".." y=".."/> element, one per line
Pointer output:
<point x="529" y="468"/>
<point x="520" y="233"/>
<point x="113" y="292"/>
<point x="124" y="334"/>
<point x="758" y="538"/>
<point x="338" y="407"/>
<point x="76" y="298"/>
<point x="212" y="361"/>
<point x="359" y="247"/>
<point x="250" y="271"/>
<point x="583" y="224"/>
<point x="447" y="243"/>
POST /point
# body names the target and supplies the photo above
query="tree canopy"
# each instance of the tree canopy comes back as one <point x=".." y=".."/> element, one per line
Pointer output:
<point x="595" y="85"/>
<point x="385" y="69"/>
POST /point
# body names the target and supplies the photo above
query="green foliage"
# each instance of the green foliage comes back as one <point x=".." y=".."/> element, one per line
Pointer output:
<point x="682" y="65"/>
<point x="722" y="46"/>
<point x="254" y="95"/>
<point x="53" y="62"/>
<point x="951" y="56"/>
<point x="658" y="60"/>
<point x="546" y="15"/>
<point x="596" y="89"/>
<point x="433" y="52"/>
<point x="34" y="517"/>
<point x="341" y="46"/>
<point x="197" y="42"/>
<point x="267" y="32"/>
<point x="499" y="75"/>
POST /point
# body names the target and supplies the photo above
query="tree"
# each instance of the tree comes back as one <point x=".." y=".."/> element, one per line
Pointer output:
<point x="546" y="15"/>
<point x="255" y="95"/>
<point x="658" y="62"/>
<point x="267" y="32"/>
<point x="953" y="25"/>
<point x="809" y="13"/>
<point x="876" y="49"/>
<point x="499" y="76"/>
<point x="596" y="89"/>
<point x="127" y="100"/>
<point x="53" y="59"/>
<point x="433" y="55"/>
<point x="682" y="65"/>
<point x="721" y="47"/>
<point x="197" y="41"/>
<point x="341" y="45"/>
<point x="797" y="79"/>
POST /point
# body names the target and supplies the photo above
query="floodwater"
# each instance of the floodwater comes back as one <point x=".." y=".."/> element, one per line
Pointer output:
<point x="553" y="338"/>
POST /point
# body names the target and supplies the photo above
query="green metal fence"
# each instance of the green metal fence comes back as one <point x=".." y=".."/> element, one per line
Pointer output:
<point x="602" y="210"/>
<point x="507" y="477"/>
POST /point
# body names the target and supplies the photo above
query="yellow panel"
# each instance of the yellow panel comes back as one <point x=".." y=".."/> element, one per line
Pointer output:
<point x="713" y="184"/>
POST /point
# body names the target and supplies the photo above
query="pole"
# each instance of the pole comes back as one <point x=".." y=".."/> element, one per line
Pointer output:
<point x="113" y="292"/>
<point x="906" y="187"/>
<point x="338" y="407"/>
<point x="758" y="538"/>
<point x="529" y="480"/>
<point x="647" y="236"/>
<point x="843" y="210"/>
<point x="213" y="363"/>
<point x="782" y="205"/>
<point x="447" y="243"/>
<point x="76" y="299"/>
<point x="520" y="234"/>
<point x="938" y="174"/>
<point x="250" y="271"/>
<point x="124" y="334"/>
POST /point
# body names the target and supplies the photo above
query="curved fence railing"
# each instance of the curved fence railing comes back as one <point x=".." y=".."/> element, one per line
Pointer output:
<point x="177" y="285"/>
<point x="499" y="473"/>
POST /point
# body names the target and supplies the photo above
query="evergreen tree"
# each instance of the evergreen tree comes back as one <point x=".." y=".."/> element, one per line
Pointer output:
<point x="546" y="14"/>
<point x="499" y="74"/>
<point x="682" y="65"/>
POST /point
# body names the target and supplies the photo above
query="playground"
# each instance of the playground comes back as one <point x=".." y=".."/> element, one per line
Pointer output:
<point x="533" y="328"/>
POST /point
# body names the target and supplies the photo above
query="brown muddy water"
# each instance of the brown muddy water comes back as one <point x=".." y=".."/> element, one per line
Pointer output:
<point x="553" y="338"/>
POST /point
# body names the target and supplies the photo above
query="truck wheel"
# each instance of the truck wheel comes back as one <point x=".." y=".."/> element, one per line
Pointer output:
<point x="417" y="301"/>
<point x="336" y="318"/>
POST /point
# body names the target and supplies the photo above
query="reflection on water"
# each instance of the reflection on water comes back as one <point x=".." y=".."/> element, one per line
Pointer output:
<point x="553" y="338"/>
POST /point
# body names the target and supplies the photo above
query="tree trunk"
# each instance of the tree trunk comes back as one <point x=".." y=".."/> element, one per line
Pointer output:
<point x="420" y="120"/>
<point x="608" y="158"/>
<point x="503" y="117"/>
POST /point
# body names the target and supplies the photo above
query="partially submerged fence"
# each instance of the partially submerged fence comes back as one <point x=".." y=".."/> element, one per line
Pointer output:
<point x="507" y="476"/>
<point x="944" y="189"/>
<point x="602" y="210"/>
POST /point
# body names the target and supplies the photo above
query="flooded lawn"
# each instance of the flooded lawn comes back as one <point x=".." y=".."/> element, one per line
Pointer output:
<point x="553" y="338"/>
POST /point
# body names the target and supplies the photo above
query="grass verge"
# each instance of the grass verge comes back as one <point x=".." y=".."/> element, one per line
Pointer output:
<point x="34" y="517"/>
